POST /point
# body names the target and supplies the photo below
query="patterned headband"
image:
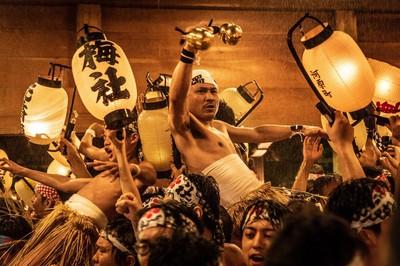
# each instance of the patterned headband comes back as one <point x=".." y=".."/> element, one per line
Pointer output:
<point x="157" y="217"/>
<point x="114" y="241"/>
<point x="186" y="192"/>
<point x="47" y="192"/>
<point x="384" y="205"/>
<point x="257" y="212"/>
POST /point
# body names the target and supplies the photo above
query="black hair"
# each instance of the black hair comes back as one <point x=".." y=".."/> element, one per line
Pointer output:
<point x="313" y="238"/>
<point x="15" y="227"/>
<point x="184" y="249"/>
<point x="227" y="223"/>
<point x="319" y="183"/>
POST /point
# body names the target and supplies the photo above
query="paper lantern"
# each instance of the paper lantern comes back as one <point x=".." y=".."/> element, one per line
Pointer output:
<point x="387" y="86"/>
<point x="360" y="132"/>
<point x="25" y="189"/>
<point x="44" y="111"/>
<point x="242" y="100"/>
<point x="57" y="168"/>
<point x="104" y="79"/>
<point x="338" y="69"/>
<point x="5" y="178"/>
<point x="154" y="131"/>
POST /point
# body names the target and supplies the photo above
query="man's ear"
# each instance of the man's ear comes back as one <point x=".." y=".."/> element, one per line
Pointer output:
<point x="48" y="203"/>
<point x="129" y="260"/>
<point x="369" y="237"/>
<point x="134" y="138"/>
<point x="199" y="212"/>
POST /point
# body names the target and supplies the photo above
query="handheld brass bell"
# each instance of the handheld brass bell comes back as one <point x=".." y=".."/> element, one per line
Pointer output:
<point x="200" y="38"/>
<point x="230" y="33"/>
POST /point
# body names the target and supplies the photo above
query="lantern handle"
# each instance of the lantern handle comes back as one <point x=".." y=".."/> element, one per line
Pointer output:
<point x="322" y="106"/>
<point x="259" y="90"/>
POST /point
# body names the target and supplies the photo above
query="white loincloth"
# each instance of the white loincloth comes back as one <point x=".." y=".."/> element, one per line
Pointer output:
<point x="86" y="208"/>
<point x="234" y="178"/>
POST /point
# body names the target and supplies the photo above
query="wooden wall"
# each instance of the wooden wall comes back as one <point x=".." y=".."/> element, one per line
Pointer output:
<point x="33" y="33"/>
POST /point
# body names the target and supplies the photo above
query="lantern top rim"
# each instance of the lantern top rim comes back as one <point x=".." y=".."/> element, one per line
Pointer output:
<point x="316" y="36"/>
<point x="91" y="36"/>
<point x="45" y="80"/>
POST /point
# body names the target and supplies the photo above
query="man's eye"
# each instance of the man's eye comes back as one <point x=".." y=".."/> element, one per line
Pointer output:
<point x="249" y="235"/>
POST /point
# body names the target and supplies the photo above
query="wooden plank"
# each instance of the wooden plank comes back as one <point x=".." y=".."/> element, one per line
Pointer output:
<point x="378" y="27"/>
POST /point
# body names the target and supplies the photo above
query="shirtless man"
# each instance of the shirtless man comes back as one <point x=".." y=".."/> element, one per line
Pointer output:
<point x="88" y="210"/>
<point x="207" y="144"/>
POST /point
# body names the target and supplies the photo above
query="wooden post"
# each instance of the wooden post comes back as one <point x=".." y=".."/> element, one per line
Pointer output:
<point x="346" y="21"/>
<point x="88" y="14"/>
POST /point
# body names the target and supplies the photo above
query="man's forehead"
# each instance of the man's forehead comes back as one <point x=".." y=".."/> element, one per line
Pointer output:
<point x="207" y="86"/>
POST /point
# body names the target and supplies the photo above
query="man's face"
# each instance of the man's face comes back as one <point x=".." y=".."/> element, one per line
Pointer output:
<point x="110" y="148"/>
<point x="38" y="205"/>
<point x="256" y="240"/>
<point x="149" y="236"/>
<point x="104" y="255"/>
<point x="203" y="101"/>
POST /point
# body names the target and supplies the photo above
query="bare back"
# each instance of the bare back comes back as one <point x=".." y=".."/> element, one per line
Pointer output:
<point x="104" y="194"/>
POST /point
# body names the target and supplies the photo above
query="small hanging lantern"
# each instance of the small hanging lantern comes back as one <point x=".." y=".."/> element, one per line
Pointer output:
<point x="5" y="177"/>
<point x="242" y="100"/>
<point x="154" y="130"/>
<point x="104" y="79"/>
<point x="387" y="86"/>
<point x="44" y="109"/>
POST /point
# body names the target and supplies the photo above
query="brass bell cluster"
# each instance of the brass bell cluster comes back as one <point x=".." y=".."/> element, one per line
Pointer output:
<point x="202" y="37"/>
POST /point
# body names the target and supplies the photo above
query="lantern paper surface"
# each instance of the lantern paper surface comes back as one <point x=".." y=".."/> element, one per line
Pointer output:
<point x="387" y="86"/>
<point x="104" y="78"/>
<point x="57" y="168"/>
<point x="360" y="132"/>
<point x="340" y="71"/>
<point x="5" y="177"/>
<point x="25" y="191"/>
<point x="234" y="100"/>
<point x="43" y="113"/>
<point x="156" y="138"/>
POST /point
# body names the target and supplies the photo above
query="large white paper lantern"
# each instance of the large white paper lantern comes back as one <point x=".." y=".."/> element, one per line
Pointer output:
<point x="154" y="131"/>
<point x="5" y="178"/>
<point x="387" y="86"/>
<point x="104" y="79"/>
<point x="338" y="69"/>
<point x="44" y="111"/>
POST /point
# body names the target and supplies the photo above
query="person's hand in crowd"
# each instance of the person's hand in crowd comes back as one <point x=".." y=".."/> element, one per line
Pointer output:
<point x="72" y="153"/>
<point x="390" y="159"/>
<point x="312" y="149"/>
<point x="108" y="169"/>
<point x="341" y="132"/>
<point x="394" y="126"/>
<point x="10" y="166"/>
<point x="129" y="206"/>
<point x="175" y="171"/>
<point x="313" y="131"/>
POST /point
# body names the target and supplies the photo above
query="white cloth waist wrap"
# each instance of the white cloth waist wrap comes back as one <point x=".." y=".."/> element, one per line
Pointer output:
<point x="234" y="178"/>
<point x="87" y="208"/>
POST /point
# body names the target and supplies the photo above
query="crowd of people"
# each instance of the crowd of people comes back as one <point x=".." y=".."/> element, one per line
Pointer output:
<point x="215" y="210"/>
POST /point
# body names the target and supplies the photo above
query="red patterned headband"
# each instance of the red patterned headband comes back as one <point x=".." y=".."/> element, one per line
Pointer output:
<point x="48" y="192"/>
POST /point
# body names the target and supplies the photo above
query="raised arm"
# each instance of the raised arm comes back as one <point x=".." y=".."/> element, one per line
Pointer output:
<point x="312" y="152"/>
<point x="180" y="83"/>
<point x="86" y="146"/>
<point x="78" y="167"/>
<point x="341" y="133"/>
<point x="59" y="182"/>
<point x="269" y="133"/>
